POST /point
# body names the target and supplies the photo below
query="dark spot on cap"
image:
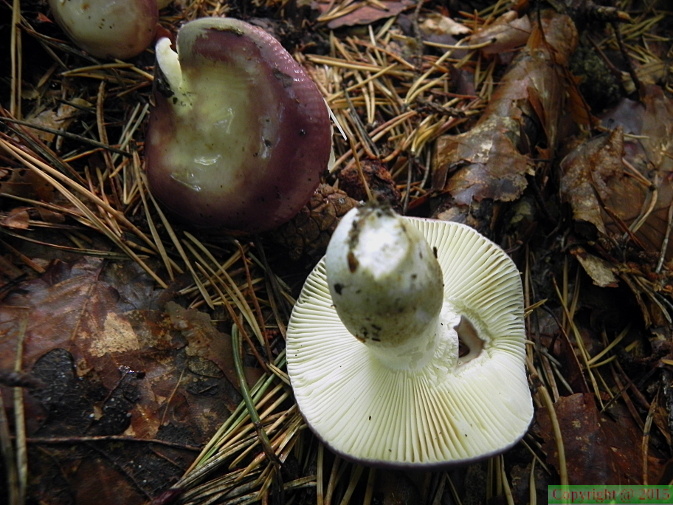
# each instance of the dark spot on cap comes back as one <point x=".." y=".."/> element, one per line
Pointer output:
<point x="285" y="80"/>
<point x="338" y="287"/>
<point x="353" y="262"/>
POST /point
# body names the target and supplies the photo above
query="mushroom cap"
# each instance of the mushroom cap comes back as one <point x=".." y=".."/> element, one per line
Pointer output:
<point x="448" y="412"/>
<point x="243" y="135"/>
<point x="108" y="29"/>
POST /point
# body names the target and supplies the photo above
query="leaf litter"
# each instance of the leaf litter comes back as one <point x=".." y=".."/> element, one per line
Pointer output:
<point x="151" y="355"/>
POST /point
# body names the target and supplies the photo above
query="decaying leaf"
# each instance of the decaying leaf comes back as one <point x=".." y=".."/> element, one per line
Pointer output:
<point x="437" y="24"/>
<point x="643" y="196"/>
<point x="600" y="270"/>
<point x="493" y="159"/>
<point x="25" y="184"/>
<point x="507" y="33"/>
<point x="360" y="13"/>
<point x="598" y="448"/>
<point x="107" y="364"/>
<point x="58" y="118"/>
<point x="588" y="173"/>
<point x="17" y="218"/>
<point x="621" y="182"/>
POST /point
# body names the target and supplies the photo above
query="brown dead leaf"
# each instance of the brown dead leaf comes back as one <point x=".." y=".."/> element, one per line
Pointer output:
<point x="26" y="184"/>
<point x="58" y="118"/>
<point x="598" y="448"/>
<point x="360" y="12"/>
<point x="110" y="365"/>
<point x="435" y="24"/>
<point x="587" y="176"/>
<point x="209" y="352"/>
<point x="111" y="485"/>
<point x="507" y="33"/>
<point x="642" y="195"/>
<point x="17" y="219"/>
<point x="601" y="271"/>
<point x="483" y="176"/>
<point x="621" y="182"/>
<point x="492" y="160"/>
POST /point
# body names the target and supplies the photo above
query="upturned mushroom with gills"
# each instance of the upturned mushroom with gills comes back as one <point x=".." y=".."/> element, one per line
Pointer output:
<point x="406" y="347"/>
<point x="239" y="135"/>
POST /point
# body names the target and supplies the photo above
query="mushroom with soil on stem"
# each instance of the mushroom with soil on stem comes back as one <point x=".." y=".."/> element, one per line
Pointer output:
<point x="239" y="135"/>
<point x="373" y="343"/>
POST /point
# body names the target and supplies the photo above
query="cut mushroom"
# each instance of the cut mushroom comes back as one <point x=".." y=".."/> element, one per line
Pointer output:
<point x="373" y="343"/>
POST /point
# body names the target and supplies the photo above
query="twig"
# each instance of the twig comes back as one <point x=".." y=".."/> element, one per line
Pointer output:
<point x="20" y="413"/>
<point x="645" y="444"/>
<point x="250" y="406"/>
<point x="68" y="135"/>
<point x="16" y="59"/>
<point x="558" y="435"/>
<point x="629" y="66"/>
<point x="107" y="438"/>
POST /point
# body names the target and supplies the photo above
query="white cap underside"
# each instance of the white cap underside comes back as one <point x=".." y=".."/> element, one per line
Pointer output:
<point x="368" y="412"/>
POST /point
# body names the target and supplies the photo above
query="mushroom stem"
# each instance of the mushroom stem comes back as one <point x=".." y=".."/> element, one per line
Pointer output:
<point x="387" y="286"/>
<point x="170" y="64"/>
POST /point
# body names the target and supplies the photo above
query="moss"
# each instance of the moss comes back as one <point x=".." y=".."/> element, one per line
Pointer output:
<point x="598" y="83"/>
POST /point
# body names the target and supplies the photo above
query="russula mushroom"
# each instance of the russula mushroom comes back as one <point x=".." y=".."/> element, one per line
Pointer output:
<point x="374" y="349"/>
<point x="239" y="134"/>
<point x="108" y="28"/>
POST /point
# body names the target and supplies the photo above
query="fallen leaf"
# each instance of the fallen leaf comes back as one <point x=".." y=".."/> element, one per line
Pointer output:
<point x="57" y="118"/>
<point x="621" y="182"/>
<point x="438" y="25"/>
<point x="598" y="448"/>
<point x="642" y="194"/>
<point x="493" y="159"/>
<point x="108" y="364"/>
<point x="17" y="219"/>
<point x="361" y="13"/>
<point x="600" y="270"/>
<point x="507" y="33"/>
<point x="26" y="184"/>
<point x="587" y="176"/>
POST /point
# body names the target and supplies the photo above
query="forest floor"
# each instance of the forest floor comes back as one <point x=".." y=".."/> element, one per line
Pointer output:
<point x="142" y="360"/>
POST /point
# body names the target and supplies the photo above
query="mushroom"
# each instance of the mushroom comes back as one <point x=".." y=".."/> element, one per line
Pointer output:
<point x="374" y="349"/>
<point x="240" y="134"/>
<point x="108" y="28"/>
